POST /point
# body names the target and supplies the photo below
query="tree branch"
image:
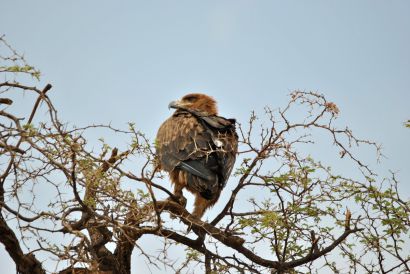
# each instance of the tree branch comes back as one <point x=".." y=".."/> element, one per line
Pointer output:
<point x="25" y="263"/>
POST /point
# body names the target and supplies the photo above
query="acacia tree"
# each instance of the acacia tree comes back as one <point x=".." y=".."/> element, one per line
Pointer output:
<point x="98" y="205"/>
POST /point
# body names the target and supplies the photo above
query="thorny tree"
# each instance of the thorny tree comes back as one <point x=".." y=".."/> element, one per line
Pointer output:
<point x="53" y="183"/>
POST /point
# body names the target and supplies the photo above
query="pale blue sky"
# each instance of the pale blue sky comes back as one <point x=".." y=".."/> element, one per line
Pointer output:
<point x="120" y="61"/>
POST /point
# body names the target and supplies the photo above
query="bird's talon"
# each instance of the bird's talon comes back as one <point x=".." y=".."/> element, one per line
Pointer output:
<point x="182" y="201"/>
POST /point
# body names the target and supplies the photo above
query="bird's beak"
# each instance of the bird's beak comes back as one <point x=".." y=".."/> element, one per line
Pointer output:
<point x="175" y="104"/>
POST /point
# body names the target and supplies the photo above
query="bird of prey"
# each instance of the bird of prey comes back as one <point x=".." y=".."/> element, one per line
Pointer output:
<point x="198" y="149"/>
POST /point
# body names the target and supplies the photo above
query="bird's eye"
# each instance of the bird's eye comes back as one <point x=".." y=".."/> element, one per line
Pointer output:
<point x="189" y="98"/>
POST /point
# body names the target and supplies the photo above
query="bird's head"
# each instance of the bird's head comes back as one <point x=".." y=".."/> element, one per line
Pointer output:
<point x="196" y="101"/>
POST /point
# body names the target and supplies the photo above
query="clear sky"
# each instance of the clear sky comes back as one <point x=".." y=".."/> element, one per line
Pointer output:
<point x="121" y="61"/>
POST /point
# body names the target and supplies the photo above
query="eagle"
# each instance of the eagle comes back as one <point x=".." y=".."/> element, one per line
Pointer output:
<point x="198" y="149"/>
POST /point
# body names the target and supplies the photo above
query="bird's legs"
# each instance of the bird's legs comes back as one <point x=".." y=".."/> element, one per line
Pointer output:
<point x="178" y="193"/>
<point x="200" y="205"/>
<point x="178" y="179"/>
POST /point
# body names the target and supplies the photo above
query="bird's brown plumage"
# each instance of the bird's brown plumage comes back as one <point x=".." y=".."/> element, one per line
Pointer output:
<point x="198" y="149"/>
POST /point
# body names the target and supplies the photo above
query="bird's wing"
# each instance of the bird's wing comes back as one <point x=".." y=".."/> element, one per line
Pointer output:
<point x="182" y="138"/>
<point x="226" y="140"/>
<point x="205" y="153"/>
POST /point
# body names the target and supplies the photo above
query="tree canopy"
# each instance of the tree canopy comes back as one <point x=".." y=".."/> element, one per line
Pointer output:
<point x="101" y="199"/>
